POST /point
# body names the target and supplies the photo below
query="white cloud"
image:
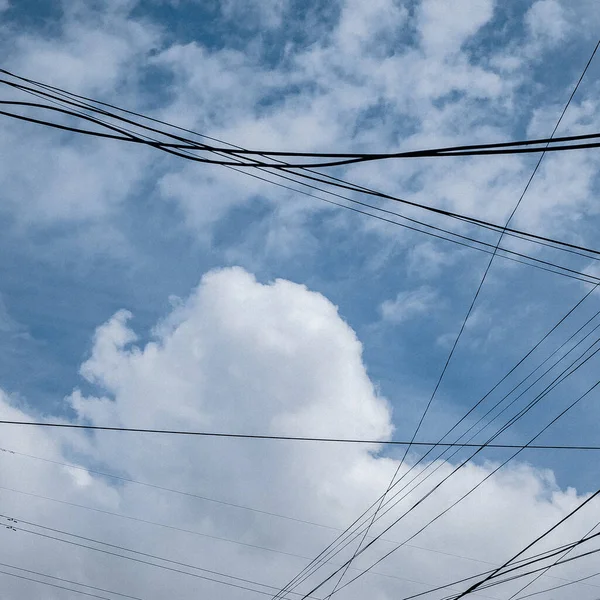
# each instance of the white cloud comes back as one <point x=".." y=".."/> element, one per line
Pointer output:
<point x="408" y="305"/>
<point x="445" y="27"/>
<point x="242" y="356"/>
<point x="546" y="19"/>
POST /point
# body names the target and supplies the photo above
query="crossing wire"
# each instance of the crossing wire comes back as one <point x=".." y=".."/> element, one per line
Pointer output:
<point x="461" y="330"/>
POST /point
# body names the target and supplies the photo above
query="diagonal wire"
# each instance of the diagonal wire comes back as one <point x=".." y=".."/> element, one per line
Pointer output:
<point x="463" y="325"/>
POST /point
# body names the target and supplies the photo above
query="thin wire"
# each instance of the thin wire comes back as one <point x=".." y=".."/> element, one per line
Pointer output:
<point x="98" y="589"/>
<point x="14" y="523"/>
<point x="528" y="560"/>
<point x="529" y="583"/>
<point x="321" y="525"/>
<point x="570" y="312"/>
<point x="290" y="438"/>
<point x="430" y="492"/>
<point x="54" y="585"/>
<point x="557" y="144"/>
<point x="556" y="587"/>
<point x="332" y="180"/>
<point x="473" y="587"/>
<point x="463" y="325"/>
<point x="151" y="141"/>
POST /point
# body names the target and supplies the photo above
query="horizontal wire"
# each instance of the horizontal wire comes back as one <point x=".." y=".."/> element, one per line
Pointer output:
<point x="290" y="438"/>
<point x="337" y="182"/>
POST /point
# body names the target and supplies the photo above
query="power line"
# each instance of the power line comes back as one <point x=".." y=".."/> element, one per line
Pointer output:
<point x="188" y="494"/>
<point x="503" y="148"/>
<point x="496" y="572"/>
<point x="561" y="377"/>
<point x="537" y="263"/>
<point x="455" y="344"/>
<point x="63" y="580"/>
<point x="556" y="587"/>
<point x="324" y="554"/>
<point x="529" y="583"/>
<point x="54" y="585"/>
<point x="290" y="438"/>
<point x="305" y="173"/>
<point x="14" y="525"/>
<point x="522" y="562"/>
<point x="505" y="462"/>
<point x="526" y="562"/>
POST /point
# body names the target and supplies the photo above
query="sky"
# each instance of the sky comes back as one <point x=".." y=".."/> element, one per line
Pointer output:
<point x="140" y="290"/>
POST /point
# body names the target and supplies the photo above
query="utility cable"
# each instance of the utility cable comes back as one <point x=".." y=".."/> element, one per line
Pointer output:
<point x="430" y="492"/>
<point x="289" y="438"/>
<point x="464" y="322"/>
<point x="567" y="315"/>
<point x="14" y="524"/>
<point x="305" y="172"/>
<point x="63" y="580"/>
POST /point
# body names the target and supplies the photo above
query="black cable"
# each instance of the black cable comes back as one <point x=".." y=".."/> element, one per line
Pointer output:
<point x="336" y="542"/>
<point x="532" y="559"/>
<point x="556" y="587"/>
<point x="552" y="386"/>
<point x="54" y="585"/>
<point x="567" y="552"/>
<point x="14" y="524"/>
<point x="285" y="166"/>
<point x="495" y="583"/>
<point x="212" y="537"/>
<point x="63" y="580"/>
<point x="559" y="379"/>
<point x="188" y="494"/>
<point x="337" y="182"/>
<point x="464" y="322"/>
<point x="473" y="587"/>
<point x="514" y="147"/>
<point x="469" y="311"/>
<point x="516" y="417"/>
<point x="289" y="438"/>
<point x="154" y="143"/>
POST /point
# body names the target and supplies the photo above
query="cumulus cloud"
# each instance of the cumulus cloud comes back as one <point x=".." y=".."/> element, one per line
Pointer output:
<point x="239" y="355"/>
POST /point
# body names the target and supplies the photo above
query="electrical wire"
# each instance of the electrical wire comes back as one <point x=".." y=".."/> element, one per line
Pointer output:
<point x="514" y="455"/>
<point x="305" y="172"/>
<point x="556" y="587"/>
<point x="586" y="277"/>
<point x="289" y="438"/>
<point x="530" y="560"/>
<point x="54" y="585"/>
<point x="286" y="517"/>
<point x="343" y="570"/>
<point x="554" y="145"/>
<point x="14" y="524"/>
<point x="63" y="580"/>
<point x="558" y="380"/>
<point x="562" y="320"/>
<point x="188" y="531"/>
<point x="497" y="571"/>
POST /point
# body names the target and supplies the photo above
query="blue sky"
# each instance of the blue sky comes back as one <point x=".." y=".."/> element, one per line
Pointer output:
<point x="91" y="227"/>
